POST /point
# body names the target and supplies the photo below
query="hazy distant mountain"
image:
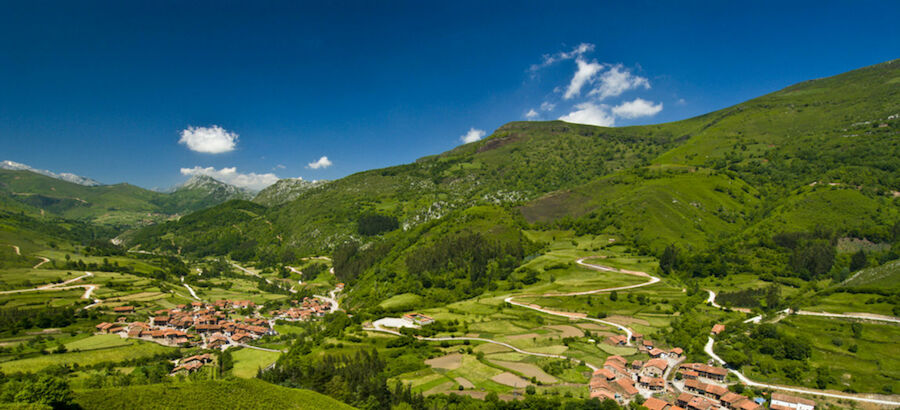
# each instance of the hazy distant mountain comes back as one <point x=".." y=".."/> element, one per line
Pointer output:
<point x="65" y="176"/>
<point x="285" y="190"/>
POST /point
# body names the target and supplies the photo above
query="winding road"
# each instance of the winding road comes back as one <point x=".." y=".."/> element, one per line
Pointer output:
<point x="88" y="289"/>
<point x="708" y="348"/>
<point x="571" y="315"/>
<point x="582" y="316"/>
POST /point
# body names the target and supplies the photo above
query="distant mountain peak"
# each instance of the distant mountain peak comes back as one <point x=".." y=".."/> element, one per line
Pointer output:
<point x="212" y="185"/>
<point x="65" y="176"/>
<point x="285" y="190"/>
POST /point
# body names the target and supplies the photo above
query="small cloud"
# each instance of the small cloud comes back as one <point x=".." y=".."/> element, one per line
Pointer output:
<point x="531" y="114"/>
<point x="637" y="108"/>
<point x="549" y="59"/>
<point x="547" y="106"/>
<point x="591" y="114"/>
<point x="279" y="166"/>
<point x="615" y="81"/>
<point x="681" y="101"/>
<point x="583" y="75"/>
<point x="252" y="181"/>
<point x="323" y="162"/>
<point x="472" y="136"/>
<point x="209" y="140"/>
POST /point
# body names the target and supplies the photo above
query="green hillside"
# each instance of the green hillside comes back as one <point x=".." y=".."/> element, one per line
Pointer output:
<point x="816" y="162"/>
<point x="120" y="205"/>
<point x="219" y="394"/>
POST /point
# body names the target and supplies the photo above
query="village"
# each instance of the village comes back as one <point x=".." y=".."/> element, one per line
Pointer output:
<point x="215" y="326"/>
<point x="695" y="386"/>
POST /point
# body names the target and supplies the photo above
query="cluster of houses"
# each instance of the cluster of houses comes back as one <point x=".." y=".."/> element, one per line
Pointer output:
<point x="622" y="381"/>
<point x="198" y="324"/>
<point x="191" y="364"/>
<point x="307" y="309"/>
<point x="699" y="387"/>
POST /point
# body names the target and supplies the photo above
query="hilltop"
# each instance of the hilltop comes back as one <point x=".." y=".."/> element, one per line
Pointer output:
<point x="120" y="205"/>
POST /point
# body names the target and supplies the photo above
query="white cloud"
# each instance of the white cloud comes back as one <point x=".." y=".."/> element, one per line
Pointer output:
<point x="323" y="162"/>
<point x="549" y="59"/>
<point x="280" y="166"/>
<point x="547" y="106"/>
<point x="591" y="114"/>
<point x="585" y="74"/>
<point x="210" y="140"/>
<point x="230" y="175"/>
<point x="472" y="136"/>
<point x="681" y="101"/>
<point x="615" y="81"/>
<point x="637" y="108"/>
<point x="531" y="114"/>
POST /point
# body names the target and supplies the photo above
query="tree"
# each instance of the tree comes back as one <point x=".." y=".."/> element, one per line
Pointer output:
<point x="530" y="390"/>
<point x="858" y="260"/>
<point x="613" y="296"/>
<point x="49" y="390"/>
<point x="857" y="329"/>
<point x="669" y="259"/>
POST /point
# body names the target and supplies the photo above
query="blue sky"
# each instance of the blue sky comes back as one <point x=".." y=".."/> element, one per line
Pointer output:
<point x="108" y="89"/>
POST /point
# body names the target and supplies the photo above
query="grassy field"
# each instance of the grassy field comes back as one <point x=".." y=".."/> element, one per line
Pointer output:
<point x="98" y="342"/>
<point x="402" y="302"/>
<point x="132" y="350"/>
<point x="218" y="394"/>
<point x="840" y="302"/>
<point x="248" y="361"/>
<point x="873" y="368"/>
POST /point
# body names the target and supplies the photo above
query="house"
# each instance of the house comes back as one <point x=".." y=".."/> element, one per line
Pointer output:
<point x="104" y="327"/>
<point x="710" y="390"/>
<point x="637" y="364"/>
<point x="159" y="320"/>
<point x="603" y="394"/>
<point x="123" y="309"/>
<point x="656" y="404"/>
<point x="617" y="340"/>
<point x="689" y="374"/>
<point x="683" y="399"/>
<point x="655" y="368"/>
<point x="187" y="368"/>
<point x="135" y="331"/>
<point x="418" y="319"/>
<point x="700" y="403"/>
<point x="717" y="328"/>
<point x="627" y="387"/>
<point x="676" y="353"/>
<point x="604" y="373"/>
<point x="734" y="401"/>
<point x="783" y="401"/>
<point x="707" y="371"/>
<point x="658" y="353"/>
<point x="652" y="383"/>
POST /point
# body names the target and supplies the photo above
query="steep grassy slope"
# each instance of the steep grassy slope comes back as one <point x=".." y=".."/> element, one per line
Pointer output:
<point x="219" y="394"/>
<point x="823" y="153"/>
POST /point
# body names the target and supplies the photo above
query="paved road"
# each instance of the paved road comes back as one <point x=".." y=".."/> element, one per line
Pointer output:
<point x="582" y="316"/>
<point x="332" y="299"/>
<point x="194" y="295"/>
<point x="744" y="379"/>
<point x="249" y="272"/>
<point x="479" y="339"/>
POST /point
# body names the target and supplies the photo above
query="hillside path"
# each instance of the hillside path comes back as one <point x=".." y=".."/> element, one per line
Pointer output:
<point x="582" y="316"/>
<point x="43" y="261"/>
